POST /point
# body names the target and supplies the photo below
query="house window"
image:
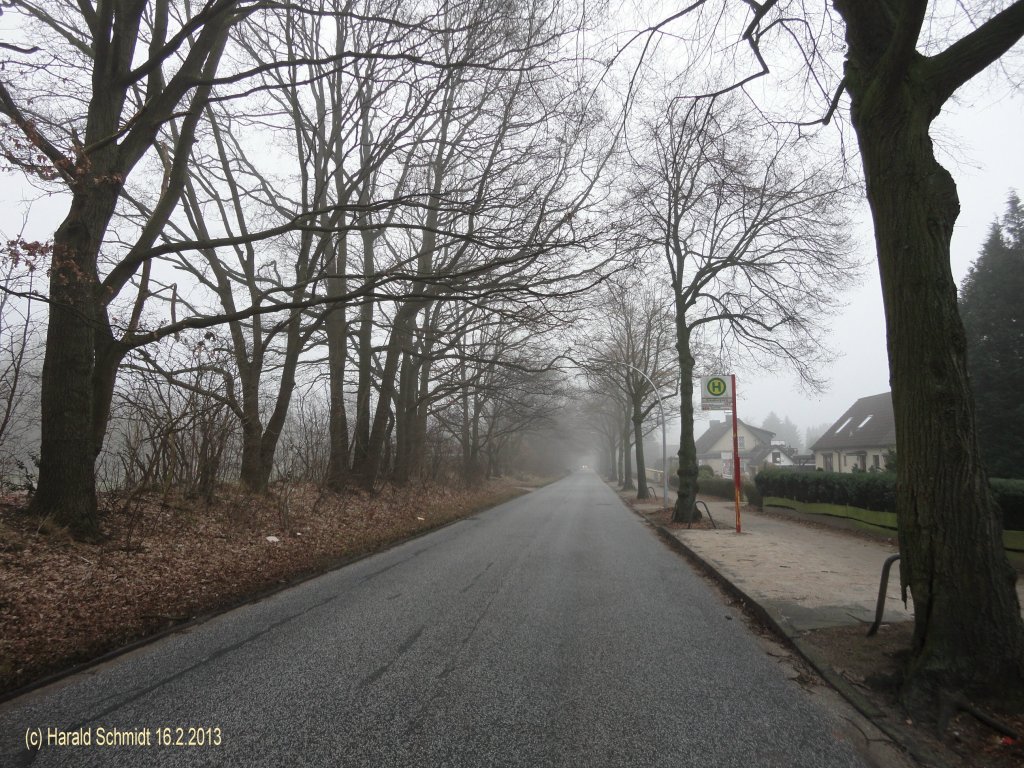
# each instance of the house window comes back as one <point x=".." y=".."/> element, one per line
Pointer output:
<point x="866" y="420"/>
<point x="777" y="457"/>
<point x="826" y="459"/>
<point x="742" y="441"/>
<point x="876" y="461"/>
<point x="843" y="426"/>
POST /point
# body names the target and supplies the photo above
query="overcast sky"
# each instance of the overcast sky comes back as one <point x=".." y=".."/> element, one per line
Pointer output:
<point x="980" y="143"/>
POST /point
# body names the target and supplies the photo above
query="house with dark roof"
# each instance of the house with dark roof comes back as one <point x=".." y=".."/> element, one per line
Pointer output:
<point x="757" y="447"/>
<point x="860" y="439"/>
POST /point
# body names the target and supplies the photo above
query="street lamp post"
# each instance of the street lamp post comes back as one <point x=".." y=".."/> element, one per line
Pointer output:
<point x="664" y="451"/>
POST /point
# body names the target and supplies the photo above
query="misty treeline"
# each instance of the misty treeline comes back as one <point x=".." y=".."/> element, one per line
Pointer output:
<point x="315" y="239"/>
<point x="377" y="241"/>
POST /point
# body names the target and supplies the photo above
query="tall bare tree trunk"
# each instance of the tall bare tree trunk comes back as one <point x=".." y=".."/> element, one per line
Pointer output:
<point x="110" y="147"/>
<point x="968" y="632"/>
<point x="369" y="469"/>
<point x="685" y="509"/>
<point x="364" y="385"/>
<point x="627" y="461"/>
<point x="405" y="419"/>
<point x="361" y="452"/>
<point x="68" y="447"/>
<point x="642" y="491"/>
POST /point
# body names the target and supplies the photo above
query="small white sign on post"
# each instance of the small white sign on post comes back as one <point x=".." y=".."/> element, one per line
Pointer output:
<point x="716" y="392"/>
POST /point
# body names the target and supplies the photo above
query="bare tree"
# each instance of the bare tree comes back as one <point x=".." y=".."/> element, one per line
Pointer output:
<point x="601" y="413"/>
<point x="92" y="143"/>
<point x="148" y="70"/>
<point x="753" y="237"/>
<point x="642" y="343"/>
<point x="499" y="209"/>
<point x="632" y="334"/>
<point x="903" y="62"/>
<point x="495" y="379"/>
<point x="323" y="109"/>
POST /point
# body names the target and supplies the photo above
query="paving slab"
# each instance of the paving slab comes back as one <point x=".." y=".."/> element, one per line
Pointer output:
<point x="805" y="576"/>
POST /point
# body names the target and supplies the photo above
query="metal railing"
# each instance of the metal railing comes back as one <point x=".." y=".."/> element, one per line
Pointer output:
<point x="883" y="589"/>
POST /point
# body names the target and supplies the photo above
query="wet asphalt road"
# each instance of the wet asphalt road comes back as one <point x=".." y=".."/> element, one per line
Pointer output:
<point x="554" y="630"/>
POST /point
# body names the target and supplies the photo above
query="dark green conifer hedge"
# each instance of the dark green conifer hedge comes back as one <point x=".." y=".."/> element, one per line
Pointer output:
<point x="872" y="490"/>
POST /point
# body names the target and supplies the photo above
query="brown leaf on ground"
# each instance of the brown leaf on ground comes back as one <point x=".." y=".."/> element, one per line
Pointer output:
<point x="874" y="665"/>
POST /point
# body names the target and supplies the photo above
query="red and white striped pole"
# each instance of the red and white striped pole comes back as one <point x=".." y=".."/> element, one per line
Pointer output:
<point x="736" y="453"/>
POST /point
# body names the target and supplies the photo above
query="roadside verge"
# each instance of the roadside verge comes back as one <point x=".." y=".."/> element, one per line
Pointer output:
<point x="167" y="564"/>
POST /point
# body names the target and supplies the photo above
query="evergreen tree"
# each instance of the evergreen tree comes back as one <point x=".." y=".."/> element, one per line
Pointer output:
<point x="992" y="310"/>
<point x="814" y="432"/>
<point x="790" y="432"/>
<point x="784" y="429"/>
<point x="772" y="423"/>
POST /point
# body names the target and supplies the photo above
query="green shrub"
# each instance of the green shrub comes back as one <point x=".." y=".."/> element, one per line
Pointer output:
<point x="716" y="486"/>
<point x="875" y="491"/>
<point x="751" y="492"/>
<point x="704" y="472"/>
<point x="867" y="490"/>
<point x="725" y="488"/>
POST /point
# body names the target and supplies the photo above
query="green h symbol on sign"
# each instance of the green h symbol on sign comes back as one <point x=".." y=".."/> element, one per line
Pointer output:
<point x="716" y="387"/>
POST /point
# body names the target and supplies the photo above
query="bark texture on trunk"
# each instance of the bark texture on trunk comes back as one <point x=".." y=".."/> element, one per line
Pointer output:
<point x="685" y="509"/>
<point x="627" y="461"/>
<point x="373" y="461"/>
<point x="968" y="633"/>
<point x="642" y="491"/>
<point x="67" y="452"/>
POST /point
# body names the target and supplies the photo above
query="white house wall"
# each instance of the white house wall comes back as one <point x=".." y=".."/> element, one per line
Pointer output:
<point x="845" y="461"/>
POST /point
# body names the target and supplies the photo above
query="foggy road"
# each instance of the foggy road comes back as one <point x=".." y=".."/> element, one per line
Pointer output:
<point x="554" y="630"/>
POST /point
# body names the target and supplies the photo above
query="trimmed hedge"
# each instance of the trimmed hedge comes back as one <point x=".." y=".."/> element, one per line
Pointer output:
<point x="874" y="491"/>
<point x="752" y="493"/>
<point x="724" y="487"/>
<point x="716" y="486"/>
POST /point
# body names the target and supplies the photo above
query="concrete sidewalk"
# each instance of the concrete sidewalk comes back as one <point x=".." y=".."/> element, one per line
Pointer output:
<point x="804" y="576"/>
